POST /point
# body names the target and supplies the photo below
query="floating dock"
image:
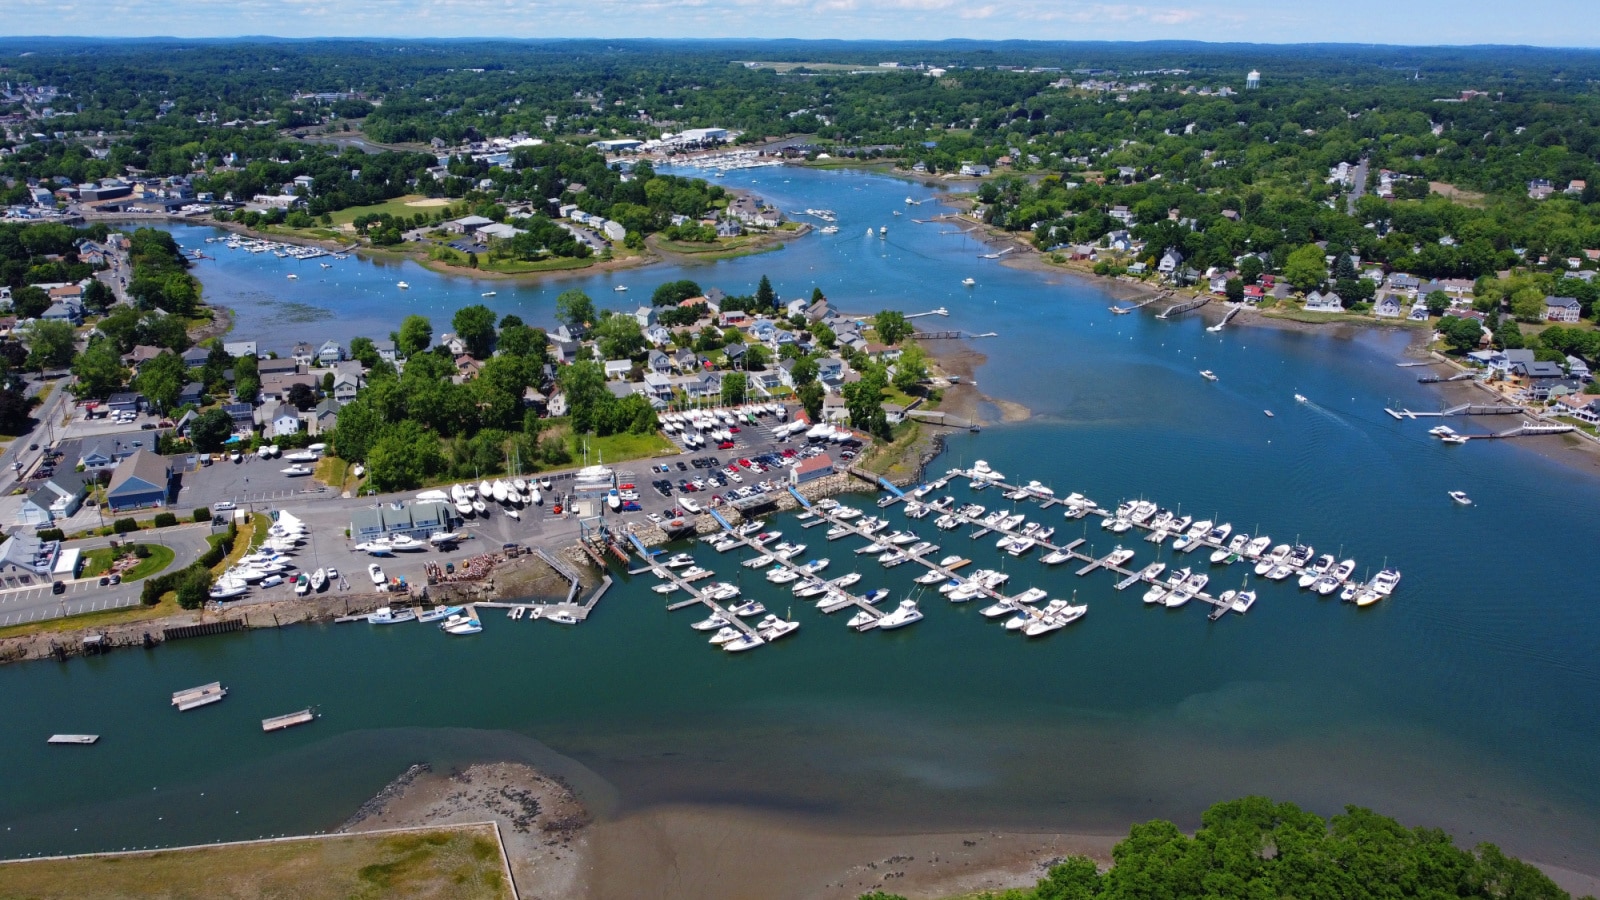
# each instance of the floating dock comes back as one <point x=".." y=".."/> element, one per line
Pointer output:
<point x="79" y="739"/>
<point x="196" y="697"/>
<point x="288" y="720"/>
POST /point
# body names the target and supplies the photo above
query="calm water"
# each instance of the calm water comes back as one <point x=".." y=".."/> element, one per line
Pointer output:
<point x="1466" y="701"/>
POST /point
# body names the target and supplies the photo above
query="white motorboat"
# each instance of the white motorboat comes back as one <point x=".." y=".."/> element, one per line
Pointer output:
<point x="385" y="615"/>
<point x="470" y="626"/>
<point x="665" y="587"/>
<point x="302" y="584"/>
<point x="1159" y="590"/>
<point x="905" y="614"/>
<point x="502" y="492"/>
<point x="402" y="285"/>
<point x="846" y="580"/>
<point x="1242" y="601"/>
<point x="716" y="621"/>
<point x="1266" y="563"/>
<point x="749" y="608"/>
<point x="1461" y="498"/>
<point x="694" y="572"/>
<point x="720" y="590"/>
<point x="1234" y="549"/>
<point x="444" y="537"/>
<point x="678" y="561"/>
<point x="439" y="612"/>
<point x="771" y="628"/>
<point x="782" y="575"/>
<point x="742" y="643"/>
<point x="296" y="471"/>
<point x="406" y="543"/>
<point x="805" y="590"/>
<point x="1386" y="581"/>
<point x="1314" y="572"/>
<point x="1005" y="606"/>
<point x="379" y="547"/>
<point x="1256" y="546"/>
<point x="227" y="588"/>
<point x="376" y="574"/>
<point x="1192" y="585"/>
<point x="725" y="634"/>
<point x="932" y="576"/>
<point x="1208" y="375"/>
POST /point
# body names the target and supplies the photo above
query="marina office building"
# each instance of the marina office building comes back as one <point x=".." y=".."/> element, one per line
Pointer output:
<point x="420" y="520"/>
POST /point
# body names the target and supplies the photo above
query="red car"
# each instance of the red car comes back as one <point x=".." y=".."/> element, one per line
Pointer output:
<point x="745" y="463"/>
<point x="725" y="445"/>
<point x="734" y="429"/>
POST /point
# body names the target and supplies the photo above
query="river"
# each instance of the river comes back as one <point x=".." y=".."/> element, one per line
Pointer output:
<point x="1466" y="701"/>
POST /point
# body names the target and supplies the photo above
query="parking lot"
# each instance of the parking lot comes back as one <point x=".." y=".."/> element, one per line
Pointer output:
<point x="251" y="480"/>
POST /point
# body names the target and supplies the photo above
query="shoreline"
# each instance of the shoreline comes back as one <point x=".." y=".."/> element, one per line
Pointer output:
<point x="558" y="848"/>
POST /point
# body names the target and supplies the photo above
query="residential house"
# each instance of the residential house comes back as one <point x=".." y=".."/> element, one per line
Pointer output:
<point x="57" y="498"/>
<point x="278" y="385"/>
<point x="1578" y="369"/>
<point x="830" y="371"/>
<point x="645" y="316"/>
<point x="303" y="354"/>
<point x="329" y="353"/>
<point x="686" y="360"/>
<point x="125" y="401"/>
<point x="1418" y="313"/>
<point x="657" y="386"/>
<point x="191" y="394"/>
<point x="618" y="368"/>
<point x="143" y="353"/>
<point x="810" y="470"/>
<point x="818" y="311"/>
<point x="750" y="212"/>
<point x="1330" y="302"/>
<point x="735" y="353"/>
<point x="1121" y="214"/>
<point x="457" y="346"/>
<point x="733" y="318"/>
<point x="280" y="420"/>
<point x="142" y="480"/>
<point x="767" y="380"/>
<point x="658" y="335"/>
<point x="1562" y="309"/>
<point x="237" y="349"/>
<point x="1170" y="261"/>
<point x="244" y="415"/>
<point x="64" y="311"/>
<point x="193" y="358"/>
<point x="975" y="170"/>
<point x="1387" y="307"/>
<point x="265" y="367"/>
<point x="467" y="368"/>
<point x="565" y="352"/>
<point x="345" y="386"/>
<point x="387" y="351"/>
<point x="706" y="384"/>
<point x="323" y="417"/>
<point x="659" y="363"/>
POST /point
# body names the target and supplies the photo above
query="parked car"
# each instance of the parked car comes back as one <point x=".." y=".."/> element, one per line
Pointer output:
<point x="224" y="506"/>
<point x="59" y="587"/>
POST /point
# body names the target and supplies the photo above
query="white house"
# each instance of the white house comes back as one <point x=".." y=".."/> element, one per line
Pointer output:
<point x="1387" y="307"/>
<point x="1317" y="301"/>
<point x="1562" y="309"/>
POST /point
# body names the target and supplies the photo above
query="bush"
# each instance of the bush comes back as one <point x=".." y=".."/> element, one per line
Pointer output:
<point x="142" y="551"/>
<point x="123" y="526"/>
<point x="166" y="520"/>
<point x="202" y="514"/>
<point x="51" y="534"/>
<point x="192" y="583"/>
<point x="194" y="588"/>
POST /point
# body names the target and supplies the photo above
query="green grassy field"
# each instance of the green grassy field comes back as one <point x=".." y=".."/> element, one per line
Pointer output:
<point x="395" y="207"/>
<point x="460" y="862"/>
<point x="617" y="448"/>
<point x="98" y="562"/>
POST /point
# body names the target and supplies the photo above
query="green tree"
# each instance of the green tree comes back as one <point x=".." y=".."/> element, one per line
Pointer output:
<point x="911" y="369"/>
<point x="523" y="341"/>
<point x="756" y="357"/>
<point x="210" y="429"/>
<point x="1234" y="290"/>
<point x="50" y="343"/>
<point x="619" y="337"/>
<point x="363" y="351"/>
<point x="674" y="292"/>
<point x="804" y="371"/>
<point x="1306" y="268"/>
<point x="811" y="395"/>
<point x="161" y="380"/>
<point x="246" y="378"/>
<point x="1250" y="269"/>
<point x="1527" y="304"/>
<point x="575" y="310"/>
<point x="584" y="383"/>
<point x="29" y="302"/>
<point x="1462" y="335"/>
<point x="194" y="587"/>
<point x="734" y="385"/>
<point x="863" y="400"/>
<point x="474" y="325"/>
<point x="416" y="333"/>
<point x="891" y="326"/>
<point x="99" y="370"/>
<point x="766" y="297"/>
<point x="1438" y="302"/>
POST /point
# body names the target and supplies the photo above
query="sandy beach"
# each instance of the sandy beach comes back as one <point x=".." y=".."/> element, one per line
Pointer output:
<point x="706" y="853"/>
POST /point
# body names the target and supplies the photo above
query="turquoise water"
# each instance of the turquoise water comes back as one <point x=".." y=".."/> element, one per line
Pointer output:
<point x="1465" y="701"/>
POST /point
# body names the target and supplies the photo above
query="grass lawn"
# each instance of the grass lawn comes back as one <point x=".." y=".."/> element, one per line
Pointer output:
<point x="333" y="472"/>
<point x="723" y="248"/>
<point x="98" y="561"/>
<point x="463" y="861"/>
<point x="395" y="207"/>
<point x="617" y="448"/>
<point x="894" y="458"/>
<point x="521" y="267"/>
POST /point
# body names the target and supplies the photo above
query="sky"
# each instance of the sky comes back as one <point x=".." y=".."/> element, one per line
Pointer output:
<point x="1565" y="23"/>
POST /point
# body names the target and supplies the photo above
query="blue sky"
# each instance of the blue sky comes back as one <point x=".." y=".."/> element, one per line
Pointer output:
<point x="1569" y="23"/>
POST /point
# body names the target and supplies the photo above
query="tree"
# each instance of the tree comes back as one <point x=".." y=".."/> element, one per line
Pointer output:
<point x="194" y="586"/>
<point x="1462" y="335"/>
<point x="1234" y="290"/>
<point x="246" y="378"/>
<point x="1306" y="268"/>
<point x="1438" y="302"/>
<point x="619" y="337"/>
<point x="416" y="333"/>
<point x="161" y="380"/>
<point x="99" y="370"/>
<point x="302" y="397"/>
<point x="1250" y="269"/>
<point x="210" y="429"/>
<point x="585" y="385"/>
<point x="474" y="325"/>
<point x="864" y="401"/>
<point x="674" y="292"/>
<point x="911" y="369"/>
<point x="891" y="326"/>
<point x="575" y="310"/>
<point x="50" y="343"/>
<point x="766" y="297"/>
<point x="1527" y="304"/>
<point x="98" y="296"/>
<point x="811" y="396"/>
<point x="29" y="302"/>
<point x="756" y="357"/>
<point x="327" y="383"/>
<point x="363" y="351"/>
<point x="523" y="341"/>
<point x="817" y="295"/>
<point x="733" y="388"/>
<point x="804" y="371"/>
<point x="510" y="320"/>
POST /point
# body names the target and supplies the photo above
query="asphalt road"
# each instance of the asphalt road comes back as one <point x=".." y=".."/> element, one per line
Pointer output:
<point x="34" y="601"/>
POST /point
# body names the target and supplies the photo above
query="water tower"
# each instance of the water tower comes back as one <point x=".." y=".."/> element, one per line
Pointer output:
<point x="1252" y="81"/>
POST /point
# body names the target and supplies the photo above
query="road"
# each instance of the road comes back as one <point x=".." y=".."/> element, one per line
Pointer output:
<point x="35" y="601"/>
<point x="1358" y="188"/>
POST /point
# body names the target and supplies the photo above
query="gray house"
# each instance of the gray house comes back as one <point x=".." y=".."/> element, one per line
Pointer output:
<point x="142" y="480"/>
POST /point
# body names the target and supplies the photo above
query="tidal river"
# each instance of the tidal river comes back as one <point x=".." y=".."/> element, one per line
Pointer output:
<point x="1465" y="701"/>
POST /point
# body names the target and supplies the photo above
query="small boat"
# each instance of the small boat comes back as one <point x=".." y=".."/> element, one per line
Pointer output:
<point x="742" y="643"/>
<point x="406" y="542"/>
<point x="905" y="614"/>
<point x="228" y="588"/>
<point x="319" y="580"/>
<point x="388" y="616"/>
<point x="376" y="574"/>
<point x="479" y="507"/>
<point x="293" y="277"/>
<point x="724" y="635"/>
<point x="771" y="628"/>
<point x="863" y="620"/>
<point x="749" y="608"/>
<point x="1461" y="498"/>
<point x="296" y="471"/>
<point x="716" y="621"/>
<point x="968" y="282"/>
<point x="1208" y="375"/>
<point x="1454" y="439"/>
<point x="487" y="294"/>
<point x="445" y="537"/>
<point x="79" y="739"/>
<point x="470" y="626"/>
<point x="1268" y="412"/>
<point x="1242" y="601"/>
<point x="1301" y="398"/>
<point x="439" y="612"/>
<point x="620" y="288"/>
<point x="403" y="286"/>
<point x="302" y="584"/>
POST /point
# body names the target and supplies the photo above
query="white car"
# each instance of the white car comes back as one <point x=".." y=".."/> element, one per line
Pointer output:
<point x="272" y="581"/>
<point x="655" y="517"/>
<point x="224" y="506"/>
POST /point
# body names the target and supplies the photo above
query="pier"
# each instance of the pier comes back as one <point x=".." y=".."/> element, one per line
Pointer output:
<point x="1187" y="305"/>
<point x="1465" y="409"/>
<point x="288" y="720"/>
<point x="1233" y="310"/>
<point x="196" y="697"/>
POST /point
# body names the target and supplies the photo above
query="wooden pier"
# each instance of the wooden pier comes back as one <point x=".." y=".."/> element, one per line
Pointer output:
<point x="288" y="720"/>
<point x="196" y="697"/>
<point x="73" y="739"/>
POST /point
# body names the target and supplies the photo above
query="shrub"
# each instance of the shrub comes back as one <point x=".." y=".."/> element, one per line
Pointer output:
<point x="141" y="550"/>
<point x="123" y="526"/>
<point x="165" y="520"/>
<point x="193" y="588"/>
<point x="202" y="514"/>
<point x="51" y="534"/>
